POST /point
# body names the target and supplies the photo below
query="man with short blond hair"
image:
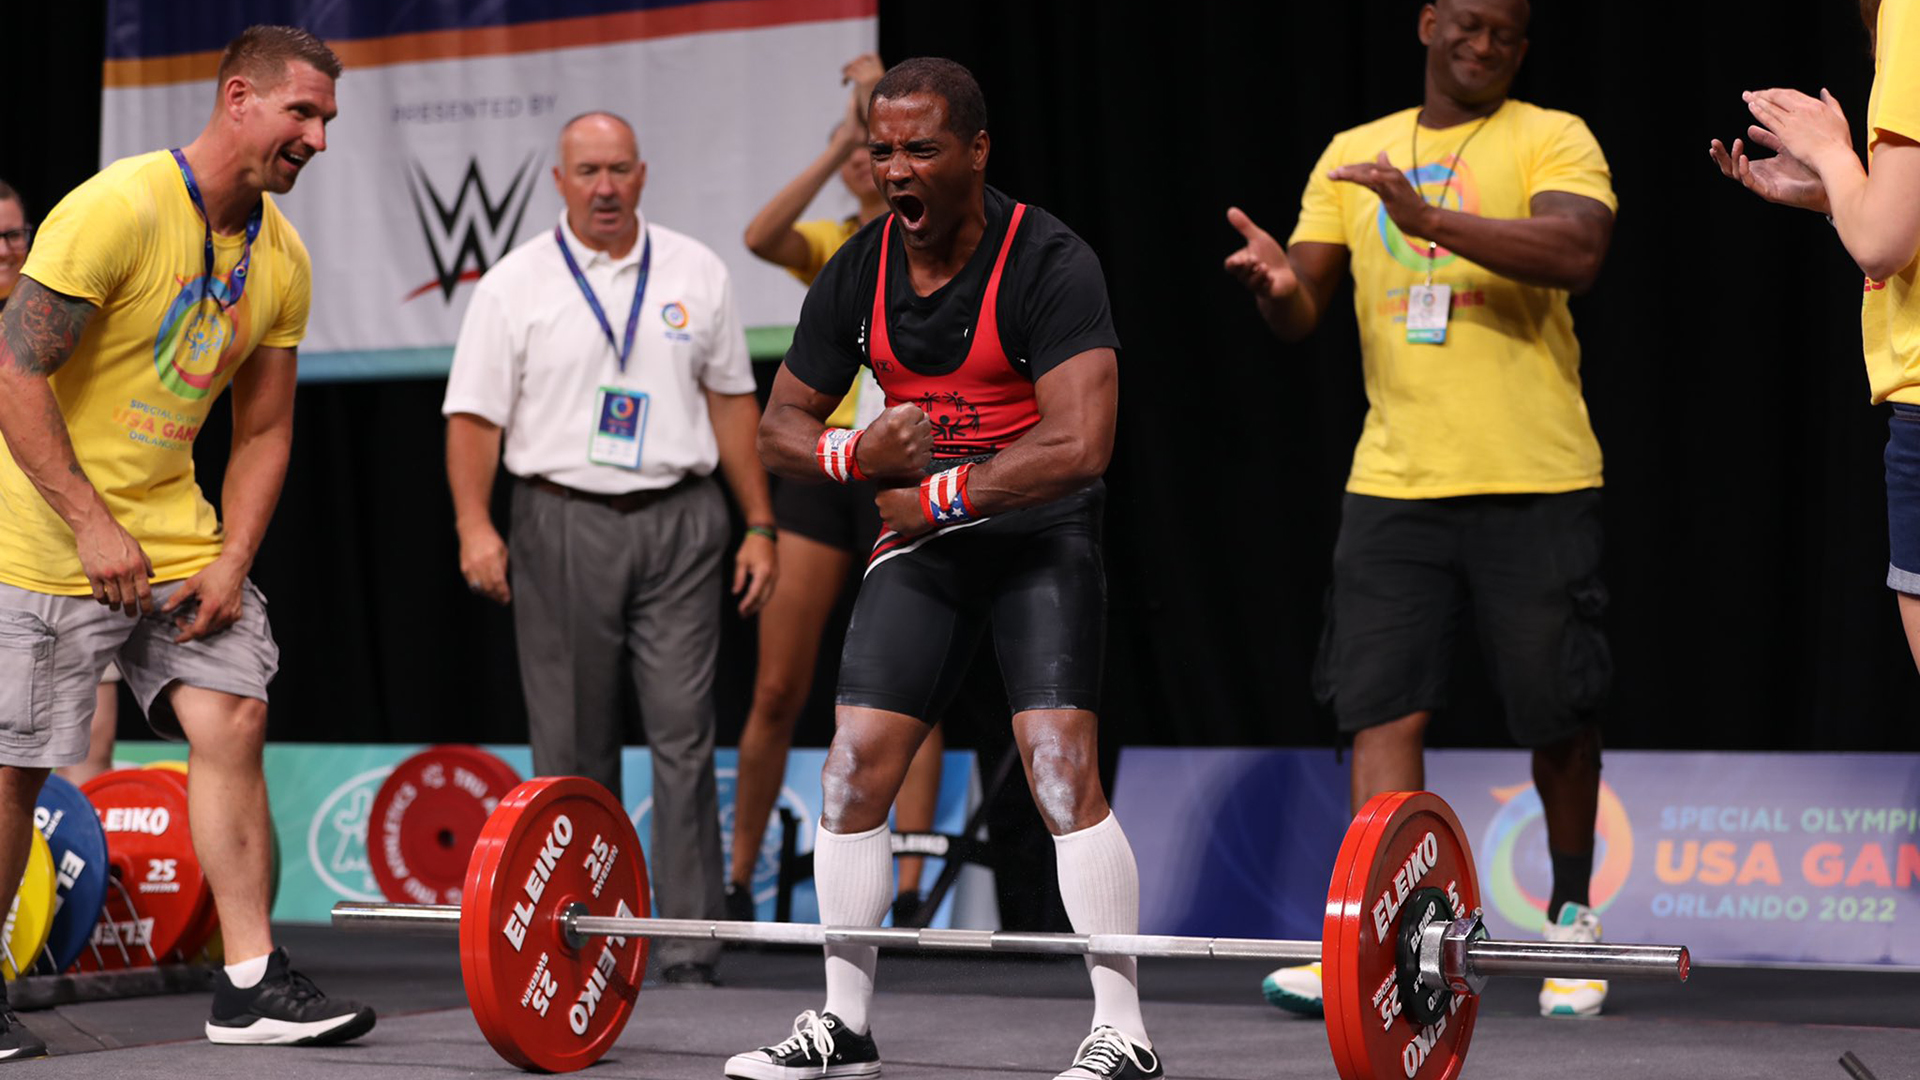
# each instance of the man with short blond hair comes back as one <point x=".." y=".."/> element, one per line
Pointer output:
<point x="184" y="277"/>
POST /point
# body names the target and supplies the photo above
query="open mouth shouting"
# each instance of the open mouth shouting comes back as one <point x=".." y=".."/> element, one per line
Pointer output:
<point x="910" y="209"/>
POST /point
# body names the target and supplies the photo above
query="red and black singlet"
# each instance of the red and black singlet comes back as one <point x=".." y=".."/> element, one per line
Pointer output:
<point x="987" y="402"/>
<point x="1030" y="298"/>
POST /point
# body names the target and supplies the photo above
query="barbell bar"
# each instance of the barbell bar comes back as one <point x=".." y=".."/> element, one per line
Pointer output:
<point x="553" y="927"/>
<point x="1484" y="957"/>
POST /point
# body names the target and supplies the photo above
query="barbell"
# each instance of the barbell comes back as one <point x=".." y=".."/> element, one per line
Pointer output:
<point x="553" y="932"/>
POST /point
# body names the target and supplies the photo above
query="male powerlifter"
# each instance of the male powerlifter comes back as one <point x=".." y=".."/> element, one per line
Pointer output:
<point x="986" y="323"/>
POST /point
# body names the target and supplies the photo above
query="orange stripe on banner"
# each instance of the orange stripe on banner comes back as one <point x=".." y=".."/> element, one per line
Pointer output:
<point x="696" y="18"/>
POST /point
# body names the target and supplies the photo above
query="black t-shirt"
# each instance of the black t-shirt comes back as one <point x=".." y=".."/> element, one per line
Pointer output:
<point x="1053" y="303"/>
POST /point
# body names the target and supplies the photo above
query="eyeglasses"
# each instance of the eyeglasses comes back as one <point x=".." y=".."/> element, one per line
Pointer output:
<point x="18" y="238"/>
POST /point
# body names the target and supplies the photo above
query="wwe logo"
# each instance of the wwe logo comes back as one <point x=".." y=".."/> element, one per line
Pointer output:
<point x="475" y="231"/>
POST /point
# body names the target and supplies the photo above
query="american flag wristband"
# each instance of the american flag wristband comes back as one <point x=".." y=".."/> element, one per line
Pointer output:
<point x="943" y="496"/>
<point x="834" y="451"/>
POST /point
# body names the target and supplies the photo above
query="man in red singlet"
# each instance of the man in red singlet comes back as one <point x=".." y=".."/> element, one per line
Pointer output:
<point x="986" y="323"/>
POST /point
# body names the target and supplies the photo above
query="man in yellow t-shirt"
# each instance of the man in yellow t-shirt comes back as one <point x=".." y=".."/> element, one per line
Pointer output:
<point x="151" y="288"/>
<point x="1465" y="222"/>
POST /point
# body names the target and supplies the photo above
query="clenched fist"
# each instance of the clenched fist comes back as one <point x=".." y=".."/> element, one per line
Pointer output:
<point x="898" y="445"/>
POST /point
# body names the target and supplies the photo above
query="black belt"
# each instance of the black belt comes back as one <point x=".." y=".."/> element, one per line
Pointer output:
<point x="624" y="503"/>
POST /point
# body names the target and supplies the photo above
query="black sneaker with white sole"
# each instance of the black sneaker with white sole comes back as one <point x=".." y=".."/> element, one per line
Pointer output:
<point x="1108" y="1055"/>
<point x="16" y="1042"/>
<point x="283" y="1009"/>
<point x="820" y="1046"/>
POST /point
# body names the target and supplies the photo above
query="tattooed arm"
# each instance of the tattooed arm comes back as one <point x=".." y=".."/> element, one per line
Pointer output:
<point x="38" y="331"/>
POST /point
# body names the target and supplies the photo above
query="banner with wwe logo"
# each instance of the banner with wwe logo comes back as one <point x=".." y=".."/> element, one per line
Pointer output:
<point x="442" y="157"/>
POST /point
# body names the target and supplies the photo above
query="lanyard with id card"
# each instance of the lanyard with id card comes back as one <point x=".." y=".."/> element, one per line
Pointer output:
<point x="620" y="414"/>
<point x="1427" y="308"/>
<point x="621" y="427"/>
<point x="1429" y="305"/>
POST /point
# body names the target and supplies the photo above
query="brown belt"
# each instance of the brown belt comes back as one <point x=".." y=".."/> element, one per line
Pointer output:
<point x="624" y="503"/>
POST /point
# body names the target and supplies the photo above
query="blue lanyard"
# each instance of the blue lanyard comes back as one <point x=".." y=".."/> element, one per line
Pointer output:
<point x="622" y="349"/>
<point x="236" y="281"/>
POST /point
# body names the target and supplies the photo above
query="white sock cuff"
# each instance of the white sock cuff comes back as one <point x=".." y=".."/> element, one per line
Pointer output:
<point x="823" y="833"/>
<point x="247" y="974"/>
<point x="1095" y="831"/>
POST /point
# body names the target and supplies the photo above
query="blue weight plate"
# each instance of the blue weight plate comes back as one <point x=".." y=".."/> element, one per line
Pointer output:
<point x="79" y="848"/>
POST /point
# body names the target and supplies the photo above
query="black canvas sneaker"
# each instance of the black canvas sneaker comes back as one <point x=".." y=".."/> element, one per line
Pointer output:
<point x="1108" y="1055"/>
<point x="820" y="1046"/>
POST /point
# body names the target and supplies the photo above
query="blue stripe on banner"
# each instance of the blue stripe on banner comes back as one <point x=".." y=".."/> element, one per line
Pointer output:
<point x="139" y="29"/>
<point x="427" y="363"/>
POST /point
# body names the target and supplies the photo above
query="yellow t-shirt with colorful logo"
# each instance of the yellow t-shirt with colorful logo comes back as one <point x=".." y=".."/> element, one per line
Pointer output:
<point x="1890" y="309"/>
<point x="823" y="238"/>
<point x="152" y="360"/>
<point x="1496" y="408"/>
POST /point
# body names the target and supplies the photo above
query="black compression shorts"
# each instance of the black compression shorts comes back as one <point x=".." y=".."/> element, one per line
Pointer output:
<point x="1035" y="576"/>
<point x="838" y="515"/>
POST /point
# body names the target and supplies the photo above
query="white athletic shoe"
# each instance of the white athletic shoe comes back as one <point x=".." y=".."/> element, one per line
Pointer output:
<point x="1573" y="997"/>
<point x="1295" y="989"/>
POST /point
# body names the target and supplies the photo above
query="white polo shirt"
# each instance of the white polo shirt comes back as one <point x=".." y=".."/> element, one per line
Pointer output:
<point x="533" y="359"/>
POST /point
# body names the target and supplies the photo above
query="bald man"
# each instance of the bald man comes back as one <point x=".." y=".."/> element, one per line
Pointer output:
<point x="1466" y="222"/>
<point x="618" y="337"/>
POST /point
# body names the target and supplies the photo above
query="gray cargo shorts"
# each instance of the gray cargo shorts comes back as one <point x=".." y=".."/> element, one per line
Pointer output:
<point x="53" y="650"/>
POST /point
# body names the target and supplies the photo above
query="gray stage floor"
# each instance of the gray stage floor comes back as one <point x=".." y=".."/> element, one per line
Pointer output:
<point x="963" y="1017"/>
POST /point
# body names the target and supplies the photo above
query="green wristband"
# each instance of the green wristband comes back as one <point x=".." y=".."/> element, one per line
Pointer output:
<point x="763" y="530"/>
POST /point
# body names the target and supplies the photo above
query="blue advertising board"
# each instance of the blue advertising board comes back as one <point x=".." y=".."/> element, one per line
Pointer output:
<point x="1785" y="858"/>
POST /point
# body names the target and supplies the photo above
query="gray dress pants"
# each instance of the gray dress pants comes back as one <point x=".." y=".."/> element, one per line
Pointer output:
<point x="599" y="595"/>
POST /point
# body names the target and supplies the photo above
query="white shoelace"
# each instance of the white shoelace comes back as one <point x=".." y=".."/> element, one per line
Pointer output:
<point x="1101" y="1052"/>
<point x="807" y="1027"/>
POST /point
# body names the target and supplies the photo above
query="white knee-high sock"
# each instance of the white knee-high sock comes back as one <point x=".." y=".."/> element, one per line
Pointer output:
<point x="853" y="876"/>
<point x="1100" y="885"/>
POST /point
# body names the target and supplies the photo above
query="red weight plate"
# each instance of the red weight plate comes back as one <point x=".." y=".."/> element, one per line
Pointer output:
<point x="426" y="818"/>
<point x="486" y="765"/>
<point x="542" y="1003"/>
<point x="150" y="850"/>
<point x="1339" y="983"/>
<point x="1400" y="842"/>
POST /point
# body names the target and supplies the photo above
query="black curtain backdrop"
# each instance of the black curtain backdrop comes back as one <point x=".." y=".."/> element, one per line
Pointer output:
<point x="1746" y="527"/>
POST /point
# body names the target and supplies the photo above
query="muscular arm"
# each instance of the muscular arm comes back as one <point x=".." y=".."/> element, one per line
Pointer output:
<point x="736" y="417"/>
<point x="1067" y="449"/>
<point x="1561" y="246"/>
<point x="790" y="429"/>
<point x="262" y="442"/>
<point x="38" y="331"/>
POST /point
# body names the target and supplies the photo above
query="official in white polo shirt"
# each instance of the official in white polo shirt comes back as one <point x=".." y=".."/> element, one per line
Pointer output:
<point x="608" y="357"/>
